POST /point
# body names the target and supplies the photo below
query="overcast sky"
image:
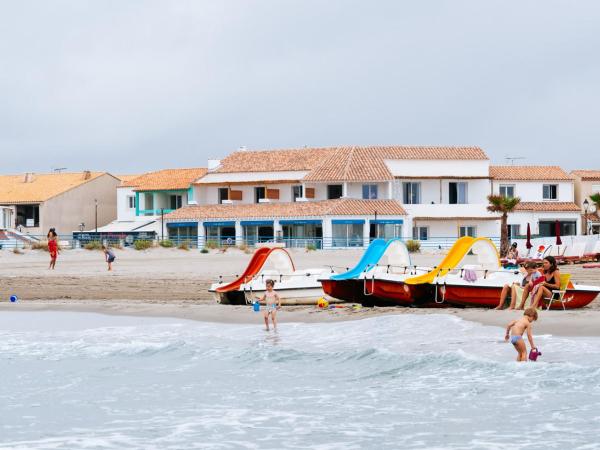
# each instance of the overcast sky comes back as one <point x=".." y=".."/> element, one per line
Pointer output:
<point x="130" y="86"/>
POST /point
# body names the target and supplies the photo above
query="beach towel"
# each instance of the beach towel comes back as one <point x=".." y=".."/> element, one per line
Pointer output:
<point x="470" y="275"/>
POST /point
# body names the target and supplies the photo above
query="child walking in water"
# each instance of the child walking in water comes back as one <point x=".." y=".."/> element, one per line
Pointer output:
<point x="516" y="329"/>
<point x="272" y="304"/>
<point x="109" y="255"/>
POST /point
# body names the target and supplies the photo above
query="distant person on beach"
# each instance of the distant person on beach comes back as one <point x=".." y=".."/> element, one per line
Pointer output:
<point x="520" y="290"/>
<point x="52" y="247"/>
<point x="516" y="329"/>
<point x="109" y="255"/>
<point x="550" y="282"/>
<point x="272" y="304"/>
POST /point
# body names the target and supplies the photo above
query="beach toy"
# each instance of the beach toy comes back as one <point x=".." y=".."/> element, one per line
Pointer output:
<point x="534" y="353"/>
<point x="322" y="303"/>
<point x="14" y="298"/>
<point x="256" y="306"/>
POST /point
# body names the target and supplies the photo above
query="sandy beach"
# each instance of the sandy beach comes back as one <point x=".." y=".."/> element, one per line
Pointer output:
<point x="174" y="283"/>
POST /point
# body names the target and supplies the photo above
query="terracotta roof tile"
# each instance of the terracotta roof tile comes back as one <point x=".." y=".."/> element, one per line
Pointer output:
<point x="167" y="179"/>
<point x="41" y="187"/>
<point x="592" y="175"/>
<point x="339" y="207"/>
<point x="548" y="206"/>
<point x="346" y="163"/>
<point x="126" y="178"/>
<point x="529" y="173"/>
<point x="298" y="159"/>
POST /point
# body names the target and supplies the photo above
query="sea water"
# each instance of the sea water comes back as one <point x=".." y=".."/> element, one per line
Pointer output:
<point x="76" y="380"/>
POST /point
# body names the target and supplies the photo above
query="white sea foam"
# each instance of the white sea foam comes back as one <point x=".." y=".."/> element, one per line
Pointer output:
<point x="90" y="381"/>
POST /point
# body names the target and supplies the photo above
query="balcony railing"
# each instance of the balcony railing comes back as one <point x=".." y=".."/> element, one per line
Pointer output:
<point x="154" y="212"/>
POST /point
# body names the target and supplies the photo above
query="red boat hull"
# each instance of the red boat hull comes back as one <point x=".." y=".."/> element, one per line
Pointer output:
<point x="399" y="293"/>
<point x="488" y="297"/>
<point x="347" y="290"/>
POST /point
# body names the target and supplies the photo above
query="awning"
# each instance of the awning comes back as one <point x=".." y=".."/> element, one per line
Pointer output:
<point x="220" y="224"/>
<point x="250" y="223"/>
<point x="388" y="221"/>
<point x="181" y="224"/>
<point x="300" y="222"/>
<point x="348" y="221"/>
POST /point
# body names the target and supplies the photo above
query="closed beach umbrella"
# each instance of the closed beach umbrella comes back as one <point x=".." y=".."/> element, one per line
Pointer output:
<point x="528" y="243"/>
<point x="557" y="232"/>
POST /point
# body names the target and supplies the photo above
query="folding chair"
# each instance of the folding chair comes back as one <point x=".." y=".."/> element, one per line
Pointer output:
<point x="558" y="295"/>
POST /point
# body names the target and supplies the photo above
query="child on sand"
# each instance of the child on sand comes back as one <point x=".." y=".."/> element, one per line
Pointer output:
<point x="272" y="304"/>
<point x="516" y="329"/>
<point x="109" y="255"/>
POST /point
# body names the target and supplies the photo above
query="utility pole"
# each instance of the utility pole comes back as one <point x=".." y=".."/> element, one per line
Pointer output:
<point x="162" y="224"/>
<point x="96" y="213"/>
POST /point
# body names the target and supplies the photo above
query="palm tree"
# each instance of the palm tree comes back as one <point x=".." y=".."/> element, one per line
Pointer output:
<point x="504" y="205"/>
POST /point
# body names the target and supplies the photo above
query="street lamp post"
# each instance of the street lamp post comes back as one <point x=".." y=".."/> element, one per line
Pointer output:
<point x="96" y="213"/>
<point x="586" y="206"/>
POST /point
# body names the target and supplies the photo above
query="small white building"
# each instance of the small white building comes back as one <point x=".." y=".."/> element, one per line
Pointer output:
<point x="143" y="200"/>
<point x="547" y="195"/>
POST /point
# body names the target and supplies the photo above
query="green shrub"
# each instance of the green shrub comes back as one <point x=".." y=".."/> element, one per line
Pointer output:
<point x="167" y="243"/>
<point x="413" y="246"/>
<point x="142" y="244"/>
<point x="204" y="250"/>
<point x="211" y="245"/>
<point x="93" y="245"/>
<point x="184" y="245"/>
<point x="310" y="247"/>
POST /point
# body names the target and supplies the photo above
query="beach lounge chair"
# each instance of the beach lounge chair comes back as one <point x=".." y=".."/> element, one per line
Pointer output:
<point x="574" y="253"/>
<point x="537" y="256"/>
<point x="594" y="255"/>
<point x="558" y="295"/>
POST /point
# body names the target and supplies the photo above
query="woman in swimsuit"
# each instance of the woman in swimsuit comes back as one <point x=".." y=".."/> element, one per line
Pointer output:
<point x="272" y="302"/>
<point x="551" y="282"/>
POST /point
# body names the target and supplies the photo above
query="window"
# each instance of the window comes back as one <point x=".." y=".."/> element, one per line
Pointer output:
<point x="175" y="201"/>
<point x="550" y="191"/>
<point x="411" y="193"/>
<point x="223" y="194"/>
<point x="149" y="204"/>
<point x="131" y="201"/>
<point x="547" y="228"/>
<point x="347" y="235"/>
<point x="514" y="231"/>
<point x="296" y="192"/>
<point x="334" y="191"/>
<point x="369" y="191"/>
<point x="28" y="215"/>
<point x="458" y="193"/>
<point x="420" y="233"/>
<point x="259" y="194"/>
<point x="507" y="190"/>
<point x="385" y="230"/>
<point x="467" y="231"/>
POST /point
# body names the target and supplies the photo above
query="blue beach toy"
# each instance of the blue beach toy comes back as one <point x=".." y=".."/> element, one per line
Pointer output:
<point x="256" y="306"/>
<point x="13" y="298"/>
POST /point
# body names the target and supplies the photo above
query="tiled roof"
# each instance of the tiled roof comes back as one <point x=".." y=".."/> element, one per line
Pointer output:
<point x="592" y="218"/>
<point x="298" y="159"/>
<point x="126" y="178"/>
<point x="41" y="187"/>
<point x="167" y="179"/>
<point x="349" y="163"/>
<point x="593" y="175"/>
<point x="529" y="173"/>
<point x="339" y="207"/>
<point x="548" y="207"/>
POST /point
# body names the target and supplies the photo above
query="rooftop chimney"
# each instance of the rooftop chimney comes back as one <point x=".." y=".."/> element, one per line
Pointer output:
<point x="28" y="177"/>
<point x="87" y="174"/>
<point x="242" y="148"/>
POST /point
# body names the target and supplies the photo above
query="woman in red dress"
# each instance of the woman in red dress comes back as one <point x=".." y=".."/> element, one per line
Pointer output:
<point x="52" y="247"/>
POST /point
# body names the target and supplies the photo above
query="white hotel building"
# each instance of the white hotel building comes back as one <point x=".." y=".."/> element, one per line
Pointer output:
<point x="346" y="196"/>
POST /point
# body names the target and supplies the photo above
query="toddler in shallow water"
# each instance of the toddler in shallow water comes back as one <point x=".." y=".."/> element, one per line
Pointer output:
<point x="272" y="304"/>
<point x="516" y="329"/>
